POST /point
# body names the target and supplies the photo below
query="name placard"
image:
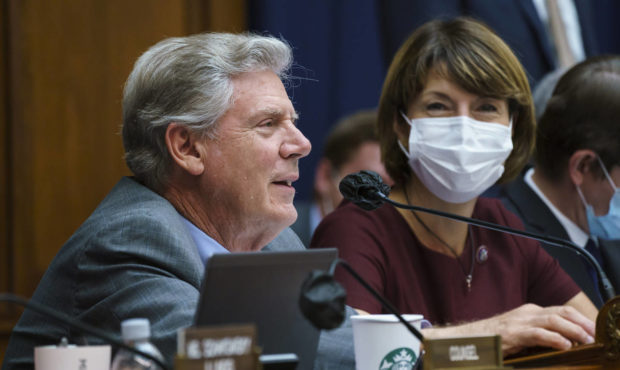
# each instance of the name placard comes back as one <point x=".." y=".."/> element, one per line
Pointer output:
<point x="230" y="347"/>
<point x="480" y="352"/>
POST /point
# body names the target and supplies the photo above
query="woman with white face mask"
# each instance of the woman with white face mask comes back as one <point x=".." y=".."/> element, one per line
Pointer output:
<point x="455" y="117"/>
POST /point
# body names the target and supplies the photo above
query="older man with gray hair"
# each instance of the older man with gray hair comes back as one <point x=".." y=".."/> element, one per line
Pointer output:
<point x="210" y="136"/>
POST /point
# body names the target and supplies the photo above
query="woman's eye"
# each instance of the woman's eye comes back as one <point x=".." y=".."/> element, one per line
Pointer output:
<point x="488" y="108"/>
<point x="435" y="106"/>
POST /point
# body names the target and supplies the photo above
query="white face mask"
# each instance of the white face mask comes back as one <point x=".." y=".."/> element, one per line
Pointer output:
<point x="457" y="158"/>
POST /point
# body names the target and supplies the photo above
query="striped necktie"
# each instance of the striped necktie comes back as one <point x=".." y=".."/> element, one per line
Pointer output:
<point x="565" y="55"/>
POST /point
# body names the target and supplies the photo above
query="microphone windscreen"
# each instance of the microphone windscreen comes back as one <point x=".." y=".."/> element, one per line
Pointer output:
<point x="362" y="188"/>
<point x="322" y="300"/>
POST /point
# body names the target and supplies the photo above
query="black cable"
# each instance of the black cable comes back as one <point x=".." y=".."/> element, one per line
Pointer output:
<point x="386" y="304"/>
<point x="378" y="297"/>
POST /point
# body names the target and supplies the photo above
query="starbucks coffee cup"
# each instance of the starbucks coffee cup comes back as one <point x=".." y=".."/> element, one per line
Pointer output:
<point x="382" y="342"/>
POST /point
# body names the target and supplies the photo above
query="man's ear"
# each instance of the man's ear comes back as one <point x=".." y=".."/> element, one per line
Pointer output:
<point x="184" y="149"/>
<point x="580" y="165"/>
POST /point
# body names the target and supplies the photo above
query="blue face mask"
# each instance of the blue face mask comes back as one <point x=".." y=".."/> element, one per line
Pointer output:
<point x="606" y="226"/>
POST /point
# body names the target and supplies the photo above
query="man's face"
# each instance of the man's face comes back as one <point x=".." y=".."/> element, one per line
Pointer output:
<point x="252" y="162"/>
<point x="598" y="190"/>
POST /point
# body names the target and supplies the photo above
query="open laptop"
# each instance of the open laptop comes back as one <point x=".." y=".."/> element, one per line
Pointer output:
<point x="263" y="288"/>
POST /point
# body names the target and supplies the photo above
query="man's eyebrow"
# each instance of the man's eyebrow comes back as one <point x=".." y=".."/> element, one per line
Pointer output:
<point x="277" y="113"/>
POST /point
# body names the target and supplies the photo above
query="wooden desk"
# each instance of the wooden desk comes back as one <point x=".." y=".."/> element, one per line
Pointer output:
<point x="603" y="354"/>
<point x="586" y="367"/>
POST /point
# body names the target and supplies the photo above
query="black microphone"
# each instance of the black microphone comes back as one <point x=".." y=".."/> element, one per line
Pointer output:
<point x="75" y="324"/>
<point x="367" y="190"/>
<point x="322" y="301"/>
<point x="362" y="188"/>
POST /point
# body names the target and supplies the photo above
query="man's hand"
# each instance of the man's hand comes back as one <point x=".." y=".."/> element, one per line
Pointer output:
<point x="528" y="326"/>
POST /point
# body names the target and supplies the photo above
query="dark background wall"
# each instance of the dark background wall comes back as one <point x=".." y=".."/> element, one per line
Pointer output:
<point x="340" y="65"/>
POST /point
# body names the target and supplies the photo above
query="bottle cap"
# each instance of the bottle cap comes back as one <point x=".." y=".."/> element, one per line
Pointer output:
<point x="136" y="329"/>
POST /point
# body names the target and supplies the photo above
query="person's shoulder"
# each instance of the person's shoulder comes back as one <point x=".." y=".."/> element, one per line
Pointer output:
<point x="132" y="205"/>
<point x="349" y="218"/>
<point x="129" y="196"/>
<point x="351" y="225"/>
<point x="131" y="219"/>
<point x="134" y="232"/>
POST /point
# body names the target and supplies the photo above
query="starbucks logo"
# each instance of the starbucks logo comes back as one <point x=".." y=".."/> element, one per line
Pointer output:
<point x="399" y="359"/>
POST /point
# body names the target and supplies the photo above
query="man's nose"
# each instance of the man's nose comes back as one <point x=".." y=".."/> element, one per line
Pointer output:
<point x="296" y="144"/>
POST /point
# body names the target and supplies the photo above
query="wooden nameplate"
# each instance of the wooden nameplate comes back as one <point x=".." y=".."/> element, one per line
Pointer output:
<point x="477" y="352"/>
<point x="217" y="347"/>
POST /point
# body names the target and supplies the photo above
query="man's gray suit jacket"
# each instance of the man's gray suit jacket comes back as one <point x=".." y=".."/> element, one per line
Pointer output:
<point x="134" y="257"/>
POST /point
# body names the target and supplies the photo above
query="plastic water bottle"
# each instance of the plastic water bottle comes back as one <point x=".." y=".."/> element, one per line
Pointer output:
<point x="136" y="333"/>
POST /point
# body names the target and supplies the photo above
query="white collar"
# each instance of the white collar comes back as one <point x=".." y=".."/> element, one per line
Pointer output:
<point x="574" y="232"/>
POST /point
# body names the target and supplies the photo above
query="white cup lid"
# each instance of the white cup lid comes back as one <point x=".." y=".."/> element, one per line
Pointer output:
<point x="136" y="329"/>
<point x="386" y="317"/>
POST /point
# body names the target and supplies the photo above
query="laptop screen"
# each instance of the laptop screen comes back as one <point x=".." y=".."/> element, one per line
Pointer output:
<point x="263" y="288"/>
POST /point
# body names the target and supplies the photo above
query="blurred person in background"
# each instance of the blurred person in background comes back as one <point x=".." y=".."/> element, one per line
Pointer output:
<point x="351" y="146"/>
<point x="545" y="34"/>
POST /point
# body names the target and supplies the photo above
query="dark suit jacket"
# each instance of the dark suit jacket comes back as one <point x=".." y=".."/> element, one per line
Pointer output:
<point x="537" y="217"/>
<point x="515" y="21"/>
<point x="133" y="257"/>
